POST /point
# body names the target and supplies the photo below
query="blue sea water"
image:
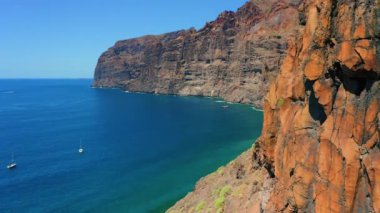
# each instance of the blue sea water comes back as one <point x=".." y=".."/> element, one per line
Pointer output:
<point x="142" y="151"/>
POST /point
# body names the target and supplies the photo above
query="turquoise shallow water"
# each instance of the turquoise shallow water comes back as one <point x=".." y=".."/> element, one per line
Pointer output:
<point x="142" y="152"/>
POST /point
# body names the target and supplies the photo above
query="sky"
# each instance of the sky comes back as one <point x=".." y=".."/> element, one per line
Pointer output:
<point x="64" y="38"/>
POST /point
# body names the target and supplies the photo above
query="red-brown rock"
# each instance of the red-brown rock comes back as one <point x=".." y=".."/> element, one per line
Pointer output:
<point x="235" y="57"/>
<point x="338" y="120"/>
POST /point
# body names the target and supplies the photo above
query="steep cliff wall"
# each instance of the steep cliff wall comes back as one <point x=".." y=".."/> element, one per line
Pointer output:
<point x="320" y="145"/>
<point x="234" y="57"/>
<point x="321" y="125"/>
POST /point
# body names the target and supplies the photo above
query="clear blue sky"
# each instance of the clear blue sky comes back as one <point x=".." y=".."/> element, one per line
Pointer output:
<point x="64" y="38"/>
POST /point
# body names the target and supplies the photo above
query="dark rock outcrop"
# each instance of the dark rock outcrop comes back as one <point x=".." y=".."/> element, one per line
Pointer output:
<point x="234" y="57"/>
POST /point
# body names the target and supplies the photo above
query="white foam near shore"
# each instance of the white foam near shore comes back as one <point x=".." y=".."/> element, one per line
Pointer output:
<point x="219" y="101"/>
<point x="256" y="109"/>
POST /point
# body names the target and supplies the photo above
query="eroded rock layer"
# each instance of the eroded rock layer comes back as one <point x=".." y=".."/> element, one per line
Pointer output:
<point x="234" y="57"/>
<point x="320" y="143"/>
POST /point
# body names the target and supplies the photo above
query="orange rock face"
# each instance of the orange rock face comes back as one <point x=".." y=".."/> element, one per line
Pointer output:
<point x="320" y="138"/>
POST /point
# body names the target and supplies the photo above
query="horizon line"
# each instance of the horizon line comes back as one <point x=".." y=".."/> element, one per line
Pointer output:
<point x="47" y="78"/>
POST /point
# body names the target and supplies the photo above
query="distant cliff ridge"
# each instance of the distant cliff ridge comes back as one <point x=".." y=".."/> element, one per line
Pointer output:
<point x="235" y="57"/>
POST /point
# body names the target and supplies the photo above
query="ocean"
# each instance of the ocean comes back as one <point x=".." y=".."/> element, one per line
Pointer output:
<point x="142" y="152"/>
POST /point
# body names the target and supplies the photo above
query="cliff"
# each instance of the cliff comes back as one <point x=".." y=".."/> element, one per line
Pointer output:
<point x="235" y="57"/>
<point x="320" y="145"/>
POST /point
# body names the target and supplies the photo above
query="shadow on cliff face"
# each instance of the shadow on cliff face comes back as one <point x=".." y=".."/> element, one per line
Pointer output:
<point x="354" y="82"/>
<point x="315" y="108"/>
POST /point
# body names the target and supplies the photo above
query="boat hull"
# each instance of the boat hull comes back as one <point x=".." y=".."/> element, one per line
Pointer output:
<point x="11" y="166"/>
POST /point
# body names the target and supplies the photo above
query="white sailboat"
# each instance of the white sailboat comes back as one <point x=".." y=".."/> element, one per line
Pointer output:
<point x="12" y="164"/>
<point x="80" y="150"/>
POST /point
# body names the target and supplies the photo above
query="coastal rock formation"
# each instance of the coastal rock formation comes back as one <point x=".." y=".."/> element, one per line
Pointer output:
<point x="234" y="57"/>
<point x="320" y="144"/>
<point x="321" y="127"/>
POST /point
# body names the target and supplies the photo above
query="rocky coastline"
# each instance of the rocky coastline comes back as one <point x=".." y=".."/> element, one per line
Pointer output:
<point x="314" y="68"/>
<point x="320" y="147"/>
